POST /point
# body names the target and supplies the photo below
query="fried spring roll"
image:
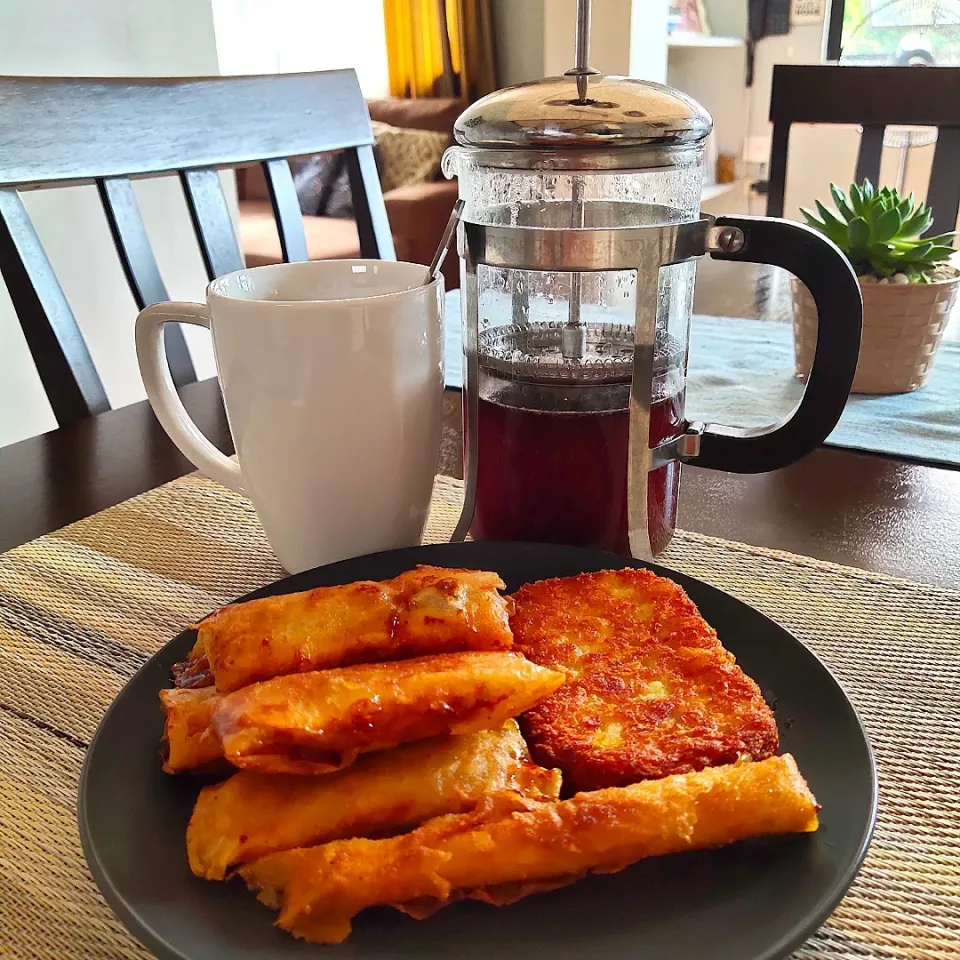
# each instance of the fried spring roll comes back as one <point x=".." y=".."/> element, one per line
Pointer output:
<point x="189" y="740"/>
<point x="194" y="672"/>
<point x="423" y="611"/>
<point x="252" y="815"/>
<point x="495" y="857"/>
<point x="320" y="722"/>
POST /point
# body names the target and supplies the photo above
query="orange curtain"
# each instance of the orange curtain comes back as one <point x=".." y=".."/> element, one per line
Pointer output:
<point x="440" y="48"/>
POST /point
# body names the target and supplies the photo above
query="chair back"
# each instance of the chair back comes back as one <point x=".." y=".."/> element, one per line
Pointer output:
<point x="58" y="131"/>
<point x="874" y="98"/>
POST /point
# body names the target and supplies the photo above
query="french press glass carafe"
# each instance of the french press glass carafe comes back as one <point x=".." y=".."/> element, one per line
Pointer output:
<point x="579" y="240"/>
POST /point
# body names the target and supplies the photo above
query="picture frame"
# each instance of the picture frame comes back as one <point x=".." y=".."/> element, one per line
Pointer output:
<point x="690" y="16"/>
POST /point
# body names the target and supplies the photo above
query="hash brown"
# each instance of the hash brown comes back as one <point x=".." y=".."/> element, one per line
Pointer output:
<point x="650" y="690"/>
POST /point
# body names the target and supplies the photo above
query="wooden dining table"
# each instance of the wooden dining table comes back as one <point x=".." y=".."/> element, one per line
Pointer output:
<point x="83" y="608"/>
<point x="862" y="510"/>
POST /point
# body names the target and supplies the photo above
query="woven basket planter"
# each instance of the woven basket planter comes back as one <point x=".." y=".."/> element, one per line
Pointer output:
<point x="902" y="328"/>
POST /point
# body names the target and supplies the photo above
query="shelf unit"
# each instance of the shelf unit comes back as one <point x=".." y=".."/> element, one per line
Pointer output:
<point x="711" y="191"/>
<point x="699" y="40"/>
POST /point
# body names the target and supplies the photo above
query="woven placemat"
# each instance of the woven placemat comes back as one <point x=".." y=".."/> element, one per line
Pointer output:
<point x="82" y="608"/>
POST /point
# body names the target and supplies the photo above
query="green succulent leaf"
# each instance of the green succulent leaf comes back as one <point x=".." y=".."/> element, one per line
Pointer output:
<point x="834" y="228"/>
<point x="919" y="223"/>
<point x="917" y="253"/>
<point x="859" y="233"/>
<point x="829" y="226"/>
<point x="840" y="199"/>
<point x="943" y="238"/>
<point x="856" y="199"/>
<point x="881" y="232"/>
<point x="882" y="250"/>
<point x="905" y="208"/>
<point x="887" y="225"/>
<point x="881" y="268"/>
<point x="812" y="221"/>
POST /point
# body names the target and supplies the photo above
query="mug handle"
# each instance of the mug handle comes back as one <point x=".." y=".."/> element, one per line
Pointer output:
<point x="163" y="397"/>
<point x="818" y="263"/>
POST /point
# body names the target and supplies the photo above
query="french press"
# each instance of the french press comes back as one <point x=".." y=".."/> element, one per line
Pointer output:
<point x="579" y="240"/>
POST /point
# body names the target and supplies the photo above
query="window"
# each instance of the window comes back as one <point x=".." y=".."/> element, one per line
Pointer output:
<point x="902" y="33"/>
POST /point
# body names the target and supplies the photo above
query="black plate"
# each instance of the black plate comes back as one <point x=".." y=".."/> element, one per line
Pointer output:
<point x="756" y="900"/>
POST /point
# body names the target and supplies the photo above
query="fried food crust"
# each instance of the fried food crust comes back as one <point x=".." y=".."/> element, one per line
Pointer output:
<point x="189" y="740"/>
<point x="650" y="690"/>
<point x="320" y="722"/>
<point x="427" y="610"/>
<point x="252" y="815"/>
<point x="511" y="847"/>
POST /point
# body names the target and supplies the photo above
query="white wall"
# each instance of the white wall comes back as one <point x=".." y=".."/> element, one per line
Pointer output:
<point x="609" y="36"/>
<point x="714" y="76"/>
<point x="536" y="38"/>
<point x="101" y="38"/>
<point x="648" y="52"/>
<point x="518" y="29"/>
<point x="291" y="36"/>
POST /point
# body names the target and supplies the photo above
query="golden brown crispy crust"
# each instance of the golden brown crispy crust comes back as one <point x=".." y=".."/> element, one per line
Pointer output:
<point x="189" y="740"/>
<point x="320" y="722"/>
<point x="423" y="611"/>
<point x="252" y="815"/>
<point x="650" y="690"/>
<point x="513" y="846"/>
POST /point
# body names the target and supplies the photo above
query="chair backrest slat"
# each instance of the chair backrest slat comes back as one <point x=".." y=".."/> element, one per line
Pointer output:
<point x="827" y="93"/>
<point x="373" y="228"/>
<point x="870" y="154"/>
<point x="140" y="266"/>
<point x="59" y="351"/>
<point x="286" y="209"/>
<point x="212" y="222"/>
<point x="133" y="244"/>
<point x="777" y="181"/>
<point x="943" y="194"/>
<point x="874" y="98"/>
<point x="57" y="131"/>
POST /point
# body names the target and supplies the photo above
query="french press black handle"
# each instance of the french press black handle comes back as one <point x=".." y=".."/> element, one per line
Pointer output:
<point x="818" y="262"/>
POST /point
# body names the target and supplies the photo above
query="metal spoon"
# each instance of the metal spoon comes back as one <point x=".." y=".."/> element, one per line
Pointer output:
<point x="433" y="271"/>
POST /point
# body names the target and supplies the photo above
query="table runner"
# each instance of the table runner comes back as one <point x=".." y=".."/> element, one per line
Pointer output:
<point x="741" y="373"/>
<point x="81" y="609"/>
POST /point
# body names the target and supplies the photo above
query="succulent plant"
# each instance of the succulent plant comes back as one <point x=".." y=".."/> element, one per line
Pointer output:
<point x="880" y="232"/>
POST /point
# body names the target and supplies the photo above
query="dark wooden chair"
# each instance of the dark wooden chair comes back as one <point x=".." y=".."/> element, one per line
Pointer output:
<point x="875" y="98"/>
<point x="57" y="131"/>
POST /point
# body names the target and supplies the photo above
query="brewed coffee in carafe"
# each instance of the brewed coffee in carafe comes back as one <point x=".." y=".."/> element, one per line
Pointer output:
<point x="553" y="429"/>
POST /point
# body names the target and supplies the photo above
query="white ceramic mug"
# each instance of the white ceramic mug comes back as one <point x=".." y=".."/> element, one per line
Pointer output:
<point x="332" y="379"/>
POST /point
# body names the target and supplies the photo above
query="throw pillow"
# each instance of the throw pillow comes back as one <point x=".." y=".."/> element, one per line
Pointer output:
<point x="322" y="184"/>
<point x="406" y="156"/>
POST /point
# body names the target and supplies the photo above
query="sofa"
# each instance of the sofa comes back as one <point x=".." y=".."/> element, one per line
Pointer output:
<point x="417" y="213"/>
